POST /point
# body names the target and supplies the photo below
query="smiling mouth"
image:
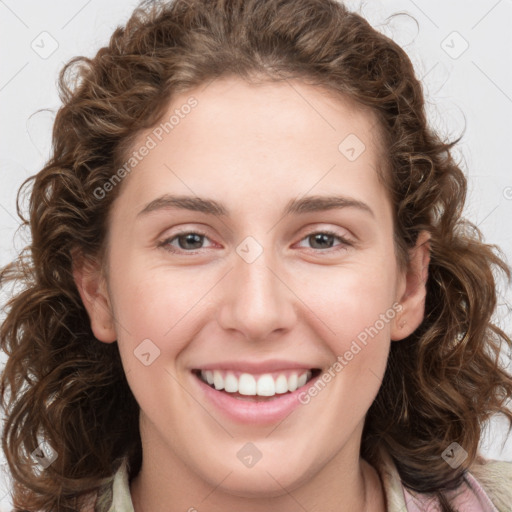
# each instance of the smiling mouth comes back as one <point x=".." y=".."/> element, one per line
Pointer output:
<point x="256" y="388"/>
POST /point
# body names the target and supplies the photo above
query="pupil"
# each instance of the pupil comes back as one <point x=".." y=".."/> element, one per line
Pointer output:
<point x="191" y="238"/>
<point x="322" y="237"/>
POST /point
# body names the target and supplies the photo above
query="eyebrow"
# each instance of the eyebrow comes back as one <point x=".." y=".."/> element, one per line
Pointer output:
<point x="294" y="206"/>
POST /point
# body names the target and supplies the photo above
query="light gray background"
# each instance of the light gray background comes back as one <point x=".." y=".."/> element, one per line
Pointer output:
<point x="472" y="87"/>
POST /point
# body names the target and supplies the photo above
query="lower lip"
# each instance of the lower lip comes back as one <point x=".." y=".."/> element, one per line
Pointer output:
<point x="259" y="413"/>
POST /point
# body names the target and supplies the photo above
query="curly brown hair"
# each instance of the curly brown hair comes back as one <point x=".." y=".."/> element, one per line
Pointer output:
<point x="442" y="383"/>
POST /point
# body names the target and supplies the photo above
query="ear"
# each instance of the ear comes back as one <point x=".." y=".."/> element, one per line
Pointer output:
<point x="92" y="286"/>
<point x="413" y="290"/>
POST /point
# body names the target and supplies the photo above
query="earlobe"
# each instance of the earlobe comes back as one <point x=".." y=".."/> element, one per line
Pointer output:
<point x="91" y="285"/>
<point x="413" y="290"/>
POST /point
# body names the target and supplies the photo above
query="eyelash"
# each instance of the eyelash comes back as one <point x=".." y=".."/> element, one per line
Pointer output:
<point x="165" y="244"/>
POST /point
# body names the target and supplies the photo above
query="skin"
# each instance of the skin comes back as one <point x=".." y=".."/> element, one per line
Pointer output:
<point x="253" y="148"/>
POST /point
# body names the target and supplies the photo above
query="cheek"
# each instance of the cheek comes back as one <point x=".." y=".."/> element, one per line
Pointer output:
<point x="158" y="318"/>
<point x="351" y="300"/>
<point x="158" y="308"/>
<point x="359" y="318"/>
<point x="154" y="304"/>
<point x="354" y="311"/>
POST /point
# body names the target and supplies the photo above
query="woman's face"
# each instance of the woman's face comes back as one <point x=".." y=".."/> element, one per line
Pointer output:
<point x="254" y="291"/>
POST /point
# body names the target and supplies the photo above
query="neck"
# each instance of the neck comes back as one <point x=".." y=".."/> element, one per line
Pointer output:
<point x="155" y="492"/>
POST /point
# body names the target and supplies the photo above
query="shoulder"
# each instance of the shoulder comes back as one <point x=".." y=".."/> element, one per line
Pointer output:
<point x="495" y="477"/>
<point x="115" y="496"/>
<point x="486" y="487"/>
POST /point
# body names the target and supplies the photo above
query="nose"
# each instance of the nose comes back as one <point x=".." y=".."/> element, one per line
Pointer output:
<point x="256" y="299"/>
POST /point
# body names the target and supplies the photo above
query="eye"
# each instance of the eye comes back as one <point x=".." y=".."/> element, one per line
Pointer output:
<point x="187" y="241"/>
<point x="190" y="241"/>
<point x="325" y="239"/>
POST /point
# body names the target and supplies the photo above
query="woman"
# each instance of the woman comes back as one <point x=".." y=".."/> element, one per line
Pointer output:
<point x="255" y="369"/>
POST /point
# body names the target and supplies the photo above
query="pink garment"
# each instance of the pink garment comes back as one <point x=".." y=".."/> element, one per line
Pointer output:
<point x="469" y="497"/>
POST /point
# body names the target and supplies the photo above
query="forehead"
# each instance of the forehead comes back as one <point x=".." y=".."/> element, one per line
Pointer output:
<point x="274" y="112"/>
<point x="258" y="135"/>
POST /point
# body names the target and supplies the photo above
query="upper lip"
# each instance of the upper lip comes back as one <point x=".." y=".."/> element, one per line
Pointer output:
<point x="272" y="365"/>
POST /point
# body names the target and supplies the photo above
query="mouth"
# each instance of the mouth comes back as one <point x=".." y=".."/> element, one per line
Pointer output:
<point x="256" y="387"/>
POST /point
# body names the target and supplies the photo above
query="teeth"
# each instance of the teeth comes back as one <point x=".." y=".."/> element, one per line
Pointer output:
<point x="250" y="385"/>
<point x="230" y="383"/>
<point x="302" y="380"/>
<point x="246" y="384"/>
<point x="293" y="382"/>
<point x="281" y="384"/>
<point x="218" y="381"/>
<point x="209" y="378"/>
<point x="266" y="386"/>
